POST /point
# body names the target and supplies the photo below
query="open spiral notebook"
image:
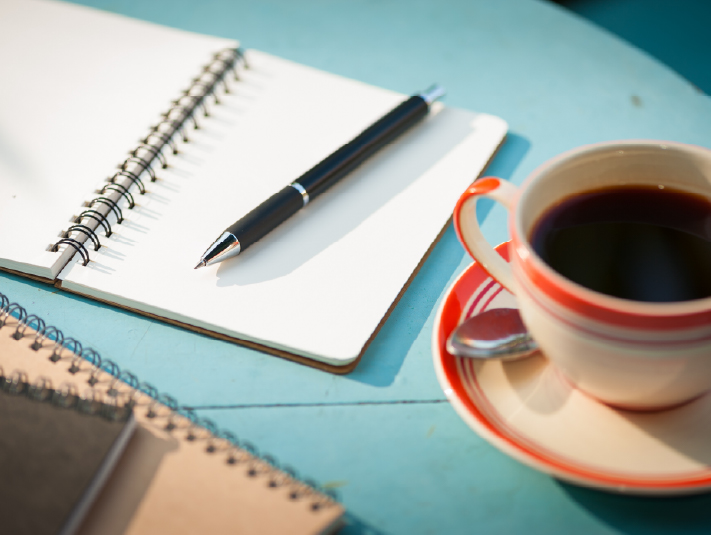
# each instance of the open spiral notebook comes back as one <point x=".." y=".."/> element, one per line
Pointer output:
<point x="126" y="147"/>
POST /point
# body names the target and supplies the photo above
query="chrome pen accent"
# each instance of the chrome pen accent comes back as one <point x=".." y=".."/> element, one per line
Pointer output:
<point x="432" y="93"/>
<point x="304" y="194"/>
<point x="226" y="246"/>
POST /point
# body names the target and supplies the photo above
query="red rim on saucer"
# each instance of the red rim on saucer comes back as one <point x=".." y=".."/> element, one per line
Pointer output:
<point x="529" y="411"/>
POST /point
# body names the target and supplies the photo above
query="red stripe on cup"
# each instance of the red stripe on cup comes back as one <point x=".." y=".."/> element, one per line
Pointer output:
<point x="590" y="305"/>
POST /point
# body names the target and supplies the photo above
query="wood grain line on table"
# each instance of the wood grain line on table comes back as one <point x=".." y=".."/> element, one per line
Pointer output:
<point x="314" y="404"/>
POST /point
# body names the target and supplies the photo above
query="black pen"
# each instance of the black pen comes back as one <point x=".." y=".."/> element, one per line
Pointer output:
<point x="281" y="206"/>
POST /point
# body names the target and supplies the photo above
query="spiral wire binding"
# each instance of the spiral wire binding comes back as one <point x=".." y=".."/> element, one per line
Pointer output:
<point x="106" y="404"/>
<point x="150" y="151"/>
<point x="66" y="396"/>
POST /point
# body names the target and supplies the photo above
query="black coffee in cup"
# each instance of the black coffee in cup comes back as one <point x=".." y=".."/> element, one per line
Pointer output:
<point x="643" y="243"/>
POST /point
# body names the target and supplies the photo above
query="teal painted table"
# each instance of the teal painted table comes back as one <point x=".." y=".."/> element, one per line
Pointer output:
<point x="384" y="436"/>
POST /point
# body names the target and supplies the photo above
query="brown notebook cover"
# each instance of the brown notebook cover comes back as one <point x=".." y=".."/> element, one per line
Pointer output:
<point x="175" y="476"/>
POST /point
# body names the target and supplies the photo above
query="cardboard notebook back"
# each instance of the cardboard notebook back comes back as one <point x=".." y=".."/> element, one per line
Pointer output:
<point x="178" y="473"/>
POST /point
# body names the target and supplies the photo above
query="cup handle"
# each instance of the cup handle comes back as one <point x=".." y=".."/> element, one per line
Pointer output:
<point x="467" y="226"/>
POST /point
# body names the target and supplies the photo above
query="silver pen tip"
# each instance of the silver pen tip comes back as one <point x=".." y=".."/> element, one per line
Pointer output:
<point x="224" y="247"/>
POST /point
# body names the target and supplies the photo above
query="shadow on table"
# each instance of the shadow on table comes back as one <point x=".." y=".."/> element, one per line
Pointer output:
<point x="384" y="357"/>
<point x="673" y="31"/>
<point x="354" y="526"/>
<point x="645" y="515"/>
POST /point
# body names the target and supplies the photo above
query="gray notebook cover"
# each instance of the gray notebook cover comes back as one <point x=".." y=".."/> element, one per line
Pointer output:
<point x="53" y="461"/>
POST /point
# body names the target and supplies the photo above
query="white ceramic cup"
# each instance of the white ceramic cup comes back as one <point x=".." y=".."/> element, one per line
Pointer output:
<point x="630" y="354"/>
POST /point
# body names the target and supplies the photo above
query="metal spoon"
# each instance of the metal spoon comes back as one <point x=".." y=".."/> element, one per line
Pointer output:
<point x="494" y="334"/>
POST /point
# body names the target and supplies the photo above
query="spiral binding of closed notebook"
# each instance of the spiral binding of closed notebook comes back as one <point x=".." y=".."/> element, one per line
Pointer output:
<point x="66" y="396"/>
<point x="115" y="392"/>
<point x="148" y="153"/>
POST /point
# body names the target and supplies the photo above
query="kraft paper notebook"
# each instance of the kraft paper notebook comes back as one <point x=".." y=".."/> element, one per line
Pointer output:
<point x="177" y="473"/>
<point x="109" y="190"/>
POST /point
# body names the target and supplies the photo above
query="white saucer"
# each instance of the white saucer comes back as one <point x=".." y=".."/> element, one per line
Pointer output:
<point x="530" y="412"/>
